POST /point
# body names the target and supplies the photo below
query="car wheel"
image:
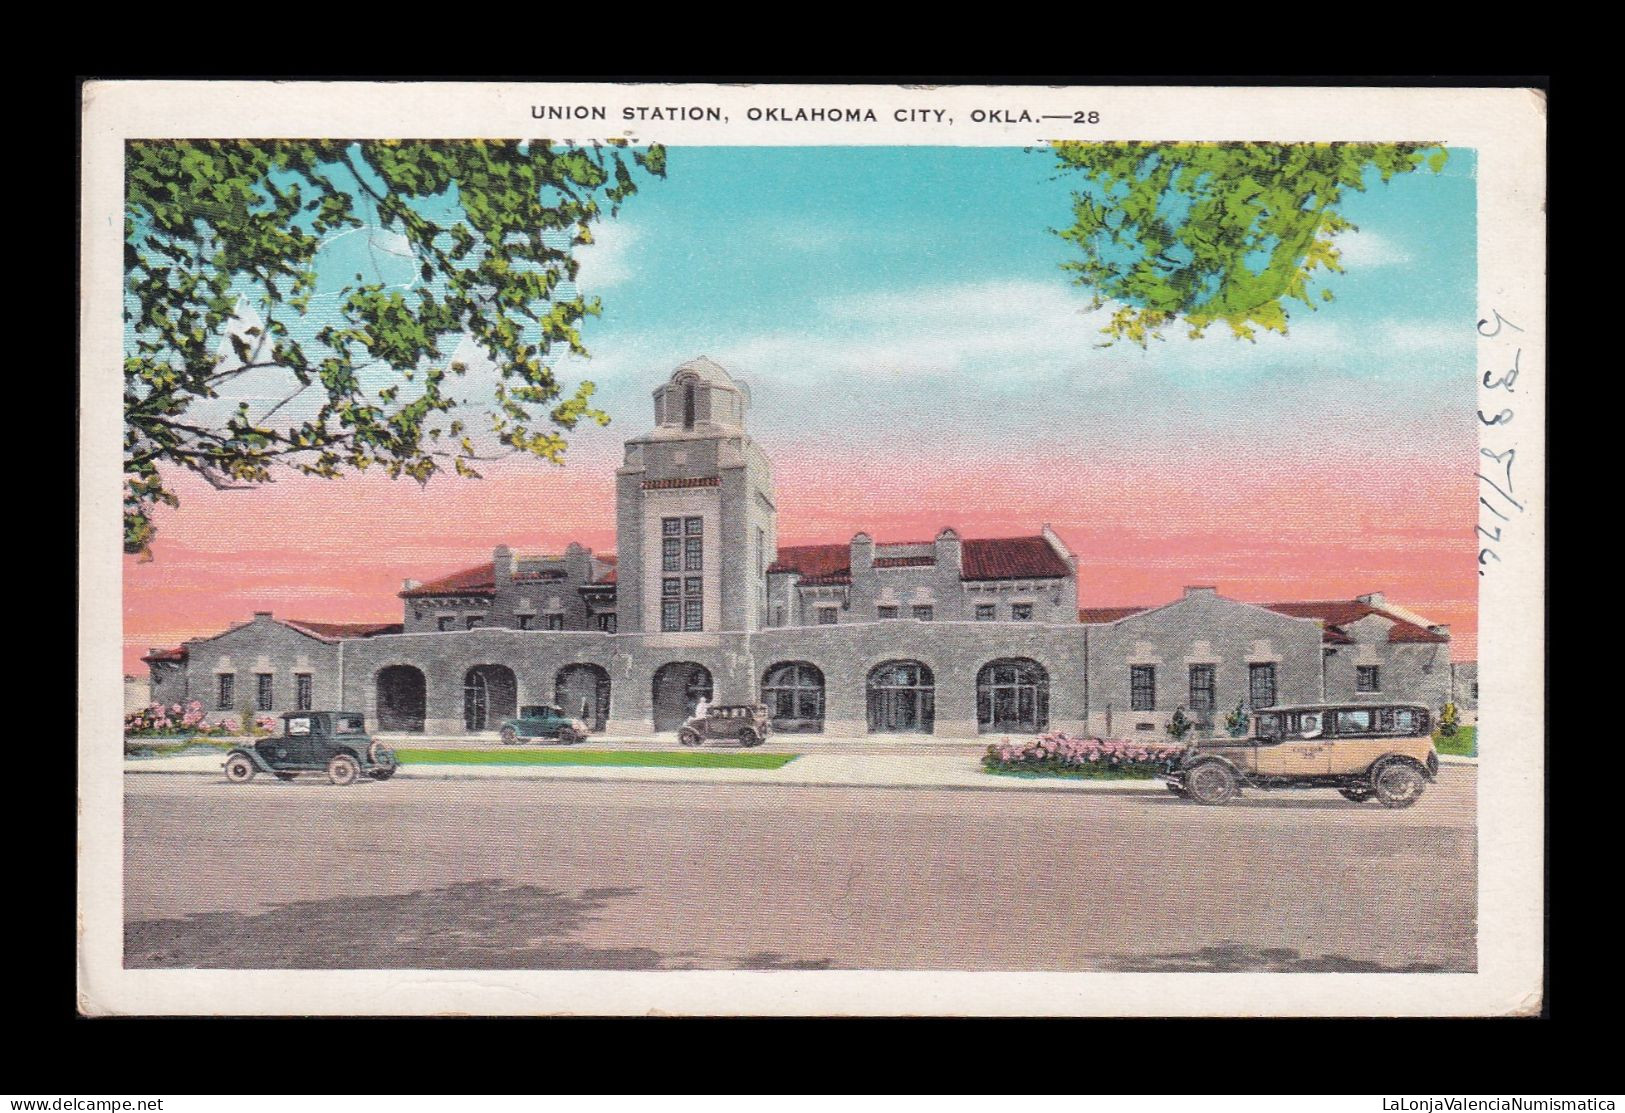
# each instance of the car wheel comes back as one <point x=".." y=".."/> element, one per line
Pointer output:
<point x="688" y="737"/>
<point x="1358" y="795"/>
<point x="286" y="776"/>
<point x="1212" y="783"/>
<point x="239" y="769"/>
<point x="343" y="769"/>
<point x="1397" y="784"/>
<point x="748" y="738"/>
<point x="509" y="736"/>
<point x="569" y="737"/>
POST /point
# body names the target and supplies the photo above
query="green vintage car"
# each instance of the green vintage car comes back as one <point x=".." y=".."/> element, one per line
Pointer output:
<point x="543" y="721"/>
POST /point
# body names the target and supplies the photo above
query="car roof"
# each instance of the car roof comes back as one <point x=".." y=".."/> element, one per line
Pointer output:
<point x="1349" y="706"/>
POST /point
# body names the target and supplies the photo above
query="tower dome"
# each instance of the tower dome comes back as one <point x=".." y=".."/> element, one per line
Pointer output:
<point x="701" y="396"/>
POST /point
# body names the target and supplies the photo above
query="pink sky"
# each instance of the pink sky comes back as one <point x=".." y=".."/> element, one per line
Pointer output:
<point x="1261" y="531"/>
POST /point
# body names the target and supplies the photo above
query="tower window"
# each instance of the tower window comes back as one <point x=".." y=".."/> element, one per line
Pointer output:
<point x="688" y="405"/>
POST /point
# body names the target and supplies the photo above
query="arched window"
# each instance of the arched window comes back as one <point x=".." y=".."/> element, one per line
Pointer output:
<point x="476" y="700"/>
<point x="1012" y="696"/>
<point x="688" y="404"/>
<point x="490" y="695"/>
<point x="794" y="694"/>
<point x="902" y="698"/>
<point x="677" y="687"/>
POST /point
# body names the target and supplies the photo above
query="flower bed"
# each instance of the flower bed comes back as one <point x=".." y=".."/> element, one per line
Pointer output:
<point x="1062" y="755"/>
<point x="187" y="720"/>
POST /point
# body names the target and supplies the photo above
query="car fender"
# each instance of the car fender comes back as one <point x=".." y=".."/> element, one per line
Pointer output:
<point x="252" y="755"/>
<point x="1407" y="759"/>
<point x="1219" y="759"/>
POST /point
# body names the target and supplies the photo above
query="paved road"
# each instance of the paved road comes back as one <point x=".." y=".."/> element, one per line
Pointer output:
<point x="575" y="875"/>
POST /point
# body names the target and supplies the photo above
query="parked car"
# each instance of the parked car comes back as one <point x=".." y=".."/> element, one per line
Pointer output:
<point x="746" y="722"/>
<point x="1363" y="751"/>
<point x="334" y="742"/>
<point x="543" y="721"/>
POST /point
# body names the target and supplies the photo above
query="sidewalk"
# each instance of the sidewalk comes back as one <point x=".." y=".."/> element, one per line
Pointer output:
<point x="808" y="770"/>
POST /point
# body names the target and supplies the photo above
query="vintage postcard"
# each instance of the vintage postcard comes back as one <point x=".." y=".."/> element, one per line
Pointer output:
<point x="608" y="549"/>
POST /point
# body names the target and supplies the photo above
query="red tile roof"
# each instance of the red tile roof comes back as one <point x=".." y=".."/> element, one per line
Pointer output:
<point x="1011" y="558"/>
<point x="1108" y="614"/>
<point x="986" y="558"/>
<point x="1337" y="613"/>
<point x="479" y="580"/>
<point x="333" y="630"/>
<point x="817" y="564"/>
<point x="176" y="654"/>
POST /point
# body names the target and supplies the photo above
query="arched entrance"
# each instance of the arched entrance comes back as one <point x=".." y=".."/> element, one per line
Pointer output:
<point x="677" y="688"/>
<point x="1012" y="696"/>
<point x="902" y="698"/>
<point x="490" y="695"/>
<point x="403" y="698"/>
<point x="794" y="694"/>
<point x="583" y="690"/>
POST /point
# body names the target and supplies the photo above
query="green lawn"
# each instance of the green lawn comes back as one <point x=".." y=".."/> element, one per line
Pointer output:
<point x="663" y="759"/>
<point x="1464" y="743"/>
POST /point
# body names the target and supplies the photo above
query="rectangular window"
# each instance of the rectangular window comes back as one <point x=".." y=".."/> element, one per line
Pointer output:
<point x="1367" y="678"/>
<point x="886" y="612"/>
<point x="693" y="615"/>
<point x="555" y="622"/>
<point x="527" y="621"/>
<point x="671" y="527"/>
<point x="1142" y="680"/>
<point x="671" y="554"/>
<point x="693" y="554"/>
<point x="472" y="621"/>
<point x="778" y="616"/>
<point x="671" y="614"/>
<point x="1202" y="697"/>
<point x="225" y="691"/>
<point x="827" y="616"/>
<point x="262" y="691"/>
<point x="304" y="691"/>
<point x="671" y="586"/>
<point x="606" y="623"/>
<point x="446" y="622"/>
<point x="984" y="612"/>
<point x="1354" y="722"/>
<point x="1021" y="612"/>
<point x="1261" y="685"/>
<point x="923" y="614"/>
<point x="693" y="526"/>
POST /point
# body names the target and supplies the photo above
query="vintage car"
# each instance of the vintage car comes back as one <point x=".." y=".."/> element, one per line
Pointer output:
<point x="1361" y="750"/>
<point x="331" y="742"/>
<point x="747" y="723"/>
<point x="543" y="721"/>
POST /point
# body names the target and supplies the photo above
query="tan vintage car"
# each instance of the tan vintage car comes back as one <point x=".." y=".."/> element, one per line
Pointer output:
<point x="1361" y="750"/>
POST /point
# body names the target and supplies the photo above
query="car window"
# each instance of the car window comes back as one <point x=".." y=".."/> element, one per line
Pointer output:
<point x="1407" y="721"/>
<point x="1308" y="724"/>
<point x="1352" y="721"/>
<point x="298" y="726"/>
<point x="1269" y="726"/>
<point x="347" y="724"/>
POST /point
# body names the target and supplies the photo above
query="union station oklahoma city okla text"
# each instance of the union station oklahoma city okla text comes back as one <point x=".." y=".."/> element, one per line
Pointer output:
<point x="952" y="636"/>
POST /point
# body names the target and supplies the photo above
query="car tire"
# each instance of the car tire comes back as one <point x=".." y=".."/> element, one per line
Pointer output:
<point x="749" y="738"/>
<point x="286" y="776"/>
<point x="1358" y="795"/>
<point x="343" y="769"/>
<point x="509" y="736"/>
<point x="688" y="737"/>
<point x="239" y="768"/>
<point x="1397" y="784"/>
<point x="1212" y="783"/>
<point x="569" y="737"/>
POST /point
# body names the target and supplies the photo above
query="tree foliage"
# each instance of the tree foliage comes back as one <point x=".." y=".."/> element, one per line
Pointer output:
<point x="1208" y="233"/>
<point x="491" y="227"/>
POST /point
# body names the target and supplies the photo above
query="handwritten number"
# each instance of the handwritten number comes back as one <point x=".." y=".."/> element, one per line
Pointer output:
<point x="1509" y="378"/>
<point x="1499" y="321"/>
<point x="1502" y="418"/>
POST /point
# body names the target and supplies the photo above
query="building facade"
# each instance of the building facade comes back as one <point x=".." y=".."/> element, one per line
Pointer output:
<point x="948" y="636"/>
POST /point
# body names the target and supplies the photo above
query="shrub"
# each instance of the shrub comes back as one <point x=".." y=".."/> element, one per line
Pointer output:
<point x="1180" y="725"/>
<point x="1449" y="720"/>
<point x="177" y="720"/>
<point x="1235" y="723"/>
<point x="1058" y="753"/>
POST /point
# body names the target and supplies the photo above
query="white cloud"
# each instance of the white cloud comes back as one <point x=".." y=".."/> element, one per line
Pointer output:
<point x="1367" y="249"/>
<point x="609" y="260"/>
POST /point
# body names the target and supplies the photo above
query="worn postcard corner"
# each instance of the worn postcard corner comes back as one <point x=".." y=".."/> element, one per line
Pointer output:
<point x="853" y="550"/>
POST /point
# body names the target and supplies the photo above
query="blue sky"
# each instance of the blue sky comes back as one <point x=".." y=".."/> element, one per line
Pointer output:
<point x="864" y="274"/>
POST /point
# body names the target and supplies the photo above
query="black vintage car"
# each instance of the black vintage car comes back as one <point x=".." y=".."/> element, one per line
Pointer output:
<point x="331" y="742"/>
